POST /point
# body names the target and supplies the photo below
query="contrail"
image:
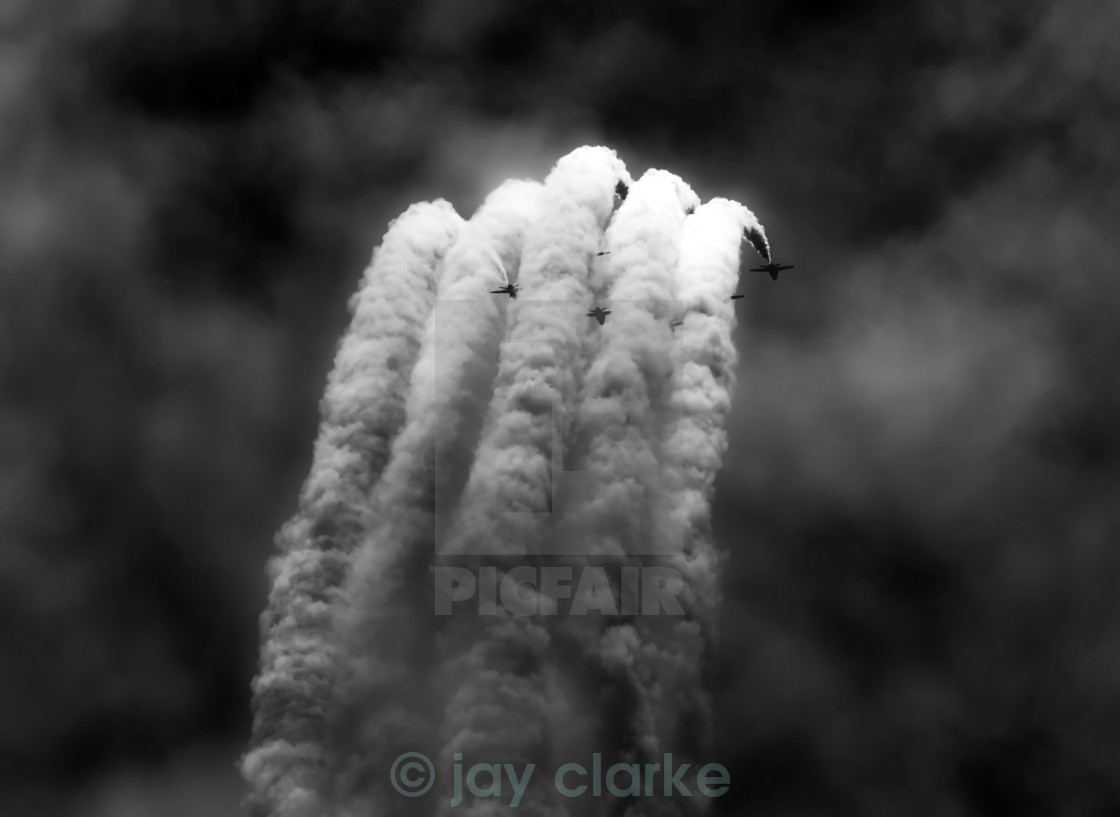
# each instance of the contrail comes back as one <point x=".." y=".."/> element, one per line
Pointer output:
<point x="362" y="411"/>
<point x="669" y="655"/>
<point x="495" y="668"/>
<point x="387" y="704"/>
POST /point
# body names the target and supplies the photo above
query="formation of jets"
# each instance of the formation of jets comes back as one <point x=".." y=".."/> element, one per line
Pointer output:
<point x="600" y="313"/>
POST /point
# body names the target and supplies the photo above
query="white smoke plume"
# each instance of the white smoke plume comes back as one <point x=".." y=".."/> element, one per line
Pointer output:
<point x="362" y="411"/>
<point x="508" y="498"/>
<point x="539" y="364"/>
<point x="628" y="376"/>
<point x="501" y="397"/>
<point x="757" y="236"/>
<point x="705" y="360"/>
<point x="622" y="405"/>
<point x="669" y="654"/>
<point x="386" y="625"/>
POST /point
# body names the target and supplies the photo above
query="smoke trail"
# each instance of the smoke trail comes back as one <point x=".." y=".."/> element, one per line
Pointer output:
<point x="387" y="704"/>
<point x="500" y="704"/>
<point x="540" y="357"/>
<point x="362" y="410"/>
<point x="629" y="373"/>
<point x="668" y="655"/>
<point x="625" y="389"/>
<point x="695" y="440"/>
<point x="755" y="234"/>
<point x="349" y="679"/>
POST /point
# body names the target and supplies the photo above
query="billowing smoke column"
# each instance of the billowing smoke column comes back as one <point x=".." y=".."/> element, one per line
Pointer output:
<point x="622" y="405"/>
<point x="540" y="361"/>
<point x="509" y="432"/>
<point x="386" y="700"/>
<point x="495" y="669"/>
<point x="757" y="236"/>
<point x="695" y="438"/>
<point x="668" y="654"/>
<point x="362" y="411"/>
<point x="627" y="378"/>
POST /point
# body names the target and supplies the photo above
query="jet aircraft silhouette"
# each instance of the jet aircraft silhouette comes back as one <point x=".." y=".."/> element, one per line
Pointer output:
<point x="599" y="314"/>
<point x="773" y="269"/>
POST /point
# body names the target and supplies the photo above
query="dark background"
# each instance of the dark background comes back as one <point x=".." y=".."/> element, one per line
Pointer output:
<point x="921" y="493"/>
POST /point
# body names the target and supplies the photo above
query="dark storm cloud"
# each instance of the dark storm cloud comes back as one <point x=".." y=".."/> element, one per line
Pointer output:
<point x="928" y="470"/>
<point x="145" y="420"/>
